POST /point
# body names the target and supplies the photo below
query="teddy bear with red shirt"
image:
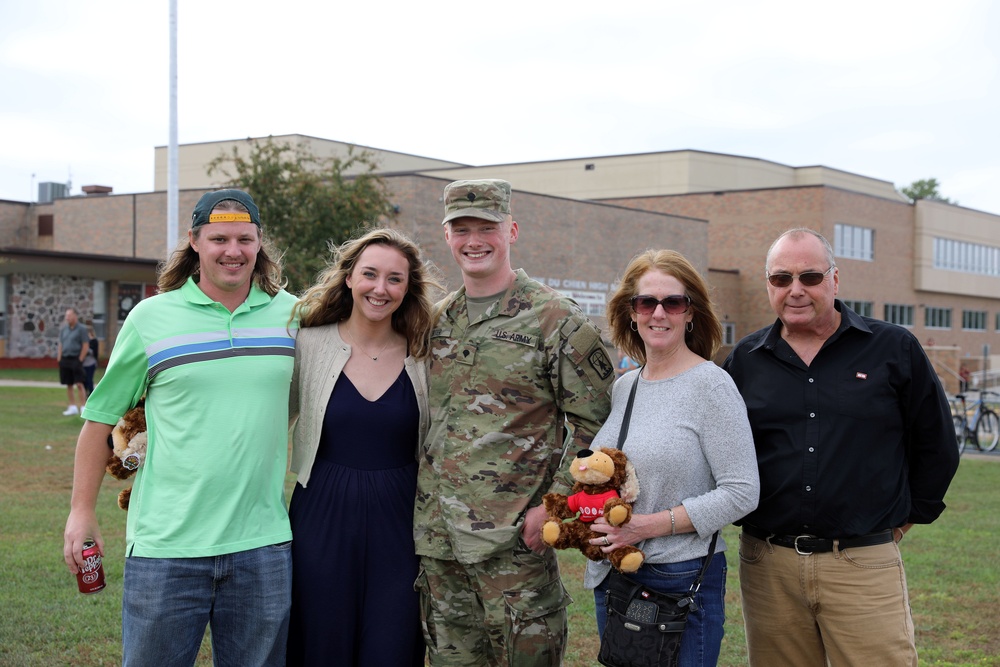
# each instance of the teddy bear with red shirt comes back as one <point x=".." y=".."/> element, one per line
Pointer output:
<point x="604" y="485"/>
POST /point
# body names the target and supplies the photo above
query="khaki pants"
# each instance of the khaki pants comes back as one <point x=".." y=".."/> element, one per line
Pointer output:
<point x="848" y="607"/>
<point x="508" y="611"/>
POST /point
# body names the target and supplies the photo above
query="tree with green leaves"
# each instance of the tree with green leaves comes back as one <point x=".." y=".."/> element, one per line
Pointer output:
<point x="925" y="188"/>
<point x="306" y="202"/>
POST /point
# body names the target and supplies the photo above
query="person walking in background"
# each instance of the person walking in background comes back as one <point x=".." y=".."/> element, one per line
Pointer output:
<point x="207" y="536"/>
<point x="90" y="360"/>
<point x="625" y="364"/>
<point x="855" y="444"/>
<point x="688" y="439"/>
<point x="73" y="345"/>
<point x="513" y="364"/>
<point x="360" y="393"/>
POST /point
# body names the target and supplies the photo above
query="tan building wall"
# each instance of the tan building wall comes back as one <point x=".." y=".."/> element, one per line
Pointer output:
<point x="742" y="225"/>
<point x="580" y="248"/>
<point x="192" y="159"/>
<point x="14" y="221"/>
<point x="664" y="173"/>
<point x="722" y="211"/>
<point x="938" y="220"/>
<point x="725" y="291"/>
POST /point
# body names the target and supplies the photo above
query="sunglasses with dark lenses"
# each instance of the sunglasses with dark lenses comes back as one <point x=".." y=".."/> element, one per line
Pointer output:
<point x="675" y="304"/>
<point x="808" y="279"/>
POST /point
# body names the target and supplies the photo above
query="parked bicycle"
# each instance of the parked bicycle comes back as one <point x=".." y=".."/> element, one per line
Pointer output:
<point x="982" y="427"/>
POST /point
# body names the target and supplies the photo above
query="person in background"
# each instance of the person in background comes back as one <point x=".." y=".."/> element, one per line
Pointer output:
<point x="625" y="364"/>
<point x="70" y="352"/>
<point x="688" y="439"/>
<point x="855" y="444"/>
<point x="360" y="394"/>
<point x="90" y="360"/>
<point x="207" y="538"/>
<point x="518" y="375"/>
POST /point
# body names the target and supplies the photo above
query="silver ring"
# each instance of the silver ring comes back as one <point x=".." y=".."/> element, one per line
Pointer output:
<point x="606" y="542"/>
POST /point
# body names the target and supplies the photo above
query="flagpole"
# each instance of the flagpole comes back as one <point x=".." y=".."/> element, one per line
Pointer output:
<point x="172" y="167"/>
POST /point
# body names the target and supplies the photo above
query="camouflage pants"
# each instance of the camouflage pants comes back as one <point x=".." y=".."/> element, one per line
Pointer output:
<point x="508" y="611"/>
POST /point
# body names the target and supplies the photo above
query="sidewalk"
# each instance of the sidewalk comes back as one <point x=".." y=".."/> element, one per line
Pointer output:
<point x="29" y="383"/>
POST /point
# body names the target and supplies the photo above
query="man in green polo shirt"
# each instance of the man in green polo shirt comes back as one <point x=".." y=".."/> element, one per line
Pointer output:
<point x="207" y="538"/>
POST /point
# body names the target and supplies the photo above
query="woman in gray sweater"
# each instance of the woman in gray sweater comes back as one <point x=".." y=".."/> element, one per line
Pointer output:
<point x="688" y="438"/>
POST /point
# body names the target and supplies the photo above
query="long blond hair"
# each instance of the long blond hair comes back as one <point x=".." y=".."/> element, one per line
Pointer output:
<point x="330" y="299"/>
<point x="184" y="263"/>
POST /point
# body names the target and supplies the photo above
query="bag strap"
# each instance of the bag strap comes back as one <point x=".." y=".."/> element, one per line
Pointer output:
<point x="696" y="584"/>
<point x="622" y="434"/>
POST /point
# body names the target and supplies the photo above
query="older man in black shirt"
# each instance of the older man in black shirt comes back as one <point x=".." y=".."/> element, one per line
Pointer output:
<point x="854" y="445"/>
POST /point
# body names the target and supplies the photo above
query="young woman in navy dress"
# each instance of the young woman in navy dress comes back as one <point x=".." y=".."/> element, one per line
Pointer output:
<point x="359" y="391"/>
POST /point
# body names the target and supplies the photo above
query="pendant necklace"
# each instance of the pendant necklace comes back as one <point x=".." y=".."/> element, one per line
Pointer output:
<point x="375" y="358"/>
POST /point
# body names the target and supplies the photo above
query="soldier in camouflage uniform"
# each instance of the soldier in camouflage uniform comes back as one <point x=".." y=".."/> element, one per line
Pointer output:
<point x="518" y="377"/>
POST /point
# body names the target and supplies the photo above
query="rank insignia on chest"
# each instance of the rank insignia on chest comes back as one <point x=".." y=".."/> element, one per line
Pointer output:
<point x="467" y="354"/>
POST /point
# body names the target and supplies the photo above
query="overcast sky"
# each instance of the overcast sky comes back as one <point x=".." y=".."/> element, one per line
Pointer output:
<point x="888" y="89"/>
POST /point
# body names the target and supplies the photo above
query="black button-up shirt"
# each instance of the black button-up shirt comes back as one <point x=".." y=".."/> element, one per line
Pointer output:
<point x="858" y="441"/>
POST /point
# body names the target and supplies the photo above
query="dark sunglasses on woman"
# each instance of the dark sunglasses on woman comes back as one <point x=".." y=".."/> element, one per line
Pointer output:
<point x="674" y="304"/>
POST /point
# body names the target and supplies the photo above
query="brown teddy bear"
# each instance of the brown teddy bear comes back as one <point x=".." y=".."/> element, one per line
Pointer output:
<point x="606" y="486"/>
<point x="128" y="448"/>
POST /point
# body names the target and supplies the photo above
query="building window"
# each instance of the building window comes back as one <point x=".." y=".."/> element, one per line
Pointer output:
<point x="937" y="318"/>
<point x="965" y="257"/>
<point x="974" y="320"/>
<point x="101" y="309"/>
<point x="854" y="242"/>
<point x="899" y="314"/>
<point x="998" y="322"/>
<point x="862" y="308"/>
<point x="728" y="333"/>
<point x="46" y="224"/>
<point x="129" y="294"/>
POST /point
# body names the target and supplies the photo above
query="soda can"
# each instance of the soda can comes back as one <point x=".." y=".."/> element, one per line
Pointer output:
<point x="90" y="578"/>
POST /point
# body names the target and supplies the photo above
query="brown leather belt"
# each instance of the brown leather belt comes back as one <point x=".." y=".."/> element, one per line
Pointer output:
<point x="810" y="544"/>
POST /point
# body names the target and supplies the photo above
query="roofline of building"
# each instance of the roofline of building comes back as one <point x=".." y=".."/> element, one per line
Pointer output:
<point x="773" y="187"/>
<point x="77" y="256"/>
<point x="592" y="202"/>
<point x="679" y="150"/>
<point x="334" y="141"/>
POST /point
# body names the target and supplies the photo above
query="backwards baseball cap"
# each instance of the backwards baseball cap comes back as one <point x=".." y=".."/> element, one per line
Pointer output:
<point x="488" y="199"/>
<point x="203" y="209"/>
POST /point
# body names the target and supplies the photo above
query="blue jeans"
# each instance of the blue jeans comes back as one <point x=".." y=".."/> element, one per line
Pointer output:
<point x="244" y="597"/>
<point x="702" y="639"/>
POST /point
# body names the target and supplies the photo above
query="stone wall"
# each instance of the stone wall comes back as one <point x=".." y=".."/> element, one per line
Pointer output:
<point x="37" y="310"/>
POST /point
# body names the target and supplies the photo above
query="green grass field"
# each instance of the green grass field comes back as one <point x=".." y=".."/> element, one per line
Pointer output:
<point x="952" y="565"/>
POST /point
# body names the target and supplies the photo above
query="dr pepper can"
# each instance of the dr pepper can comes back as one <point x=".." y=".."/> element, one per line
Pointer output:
<point x="90" y="578"/>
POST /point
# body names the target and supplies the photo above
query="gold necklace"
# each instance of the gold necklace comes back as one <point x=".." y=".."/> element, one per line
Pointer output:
<point x="363" y="351"/>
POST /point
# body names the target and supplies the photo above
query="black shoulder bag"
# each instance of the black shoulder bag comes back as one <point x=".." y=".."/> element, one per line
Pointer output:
<point x="644" y="627"/>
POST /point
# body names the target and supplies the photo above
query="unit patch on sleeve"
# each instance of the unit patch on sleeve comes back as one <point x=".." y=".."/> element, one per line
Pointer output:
<point x="601" y="364"/>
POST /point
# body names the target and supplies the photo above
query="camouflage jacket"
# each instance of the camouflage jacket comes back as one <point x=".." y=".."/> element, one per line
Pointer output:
<point x="503" y="390"/>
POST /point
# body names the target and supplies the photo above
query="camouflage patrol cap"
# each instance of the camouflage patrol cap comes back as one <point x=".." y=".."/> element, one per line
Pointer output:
<point x="488" y="199"/>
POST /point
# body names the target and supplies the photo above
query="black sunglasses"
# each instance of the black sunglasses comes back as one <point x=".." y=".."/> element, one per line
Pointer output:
<point x="809" y="278"/>
<point x="675" y="304"/>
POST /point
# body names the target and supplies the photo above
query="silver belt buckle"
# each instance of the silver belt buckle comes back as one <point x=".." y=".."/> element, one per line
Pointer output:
<point x="796" y="543"/>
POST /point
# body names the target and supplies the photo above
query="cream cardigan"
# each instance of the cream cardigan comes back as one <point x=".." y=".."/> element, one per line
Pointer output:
<point x="320" y="356"/>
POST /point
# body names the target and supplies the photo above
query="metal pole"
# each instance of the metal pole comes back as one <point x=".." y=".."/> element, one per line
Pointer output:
<point x="986" y="370"/>
<point x="172" y="169"/>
